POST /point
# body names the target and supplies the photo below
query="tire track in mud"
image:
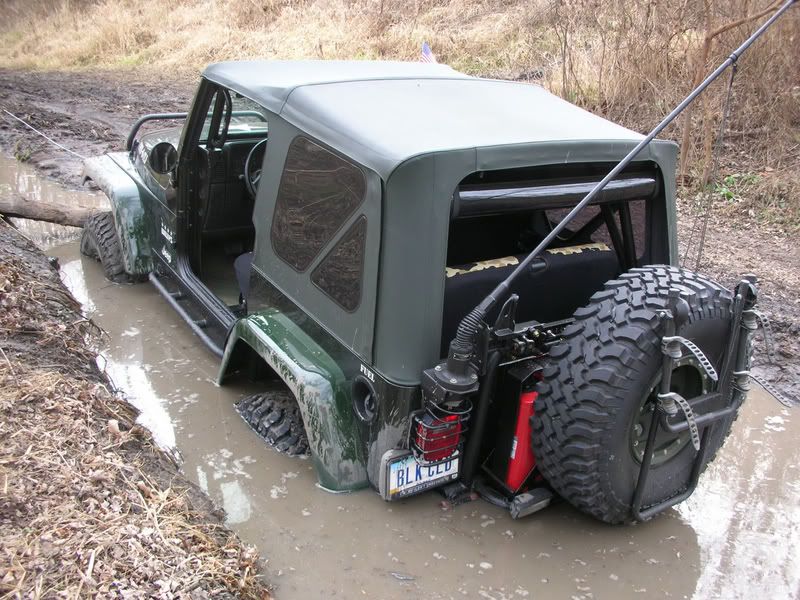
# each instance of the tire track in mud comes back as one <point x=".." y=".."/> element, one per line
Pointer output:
<point x="89" y="113"/>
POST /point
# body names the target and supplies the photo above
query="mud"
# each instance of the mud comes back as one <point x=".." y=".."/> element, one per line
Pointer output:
<point x="736" y="537"/>
<point x="88" y="113"/>
<point x="733" y="251"/>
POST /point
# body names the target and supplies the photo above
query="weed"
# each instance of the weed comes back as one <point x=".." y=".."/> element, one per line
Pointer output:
<point x="22" y="153"/>
<point x="732" y="187"/>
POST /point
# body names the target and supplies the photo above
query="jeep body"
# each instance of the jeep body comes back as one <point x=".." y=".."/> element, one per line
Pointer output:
<point x="391" y="198"/>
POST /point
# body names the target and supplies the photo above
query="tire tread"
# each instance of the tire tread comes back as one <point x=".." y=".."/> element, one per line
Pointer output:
<point x="586" y="384"/>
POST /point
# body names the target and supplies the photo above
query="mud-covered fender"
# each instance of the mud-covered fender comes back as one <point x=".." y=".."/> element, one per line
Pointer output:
<point x="321" y="389"/>
<point x="127" y="206"/>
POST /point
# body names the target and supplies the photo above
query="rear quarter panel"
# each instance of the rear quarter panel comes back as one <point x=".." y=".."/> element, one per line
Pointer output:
<point x="321" y="388"/>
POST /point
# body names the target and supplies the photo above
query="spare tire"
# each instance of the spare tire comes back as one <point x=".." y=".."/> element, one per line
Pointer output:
<point x="592" y="415"/>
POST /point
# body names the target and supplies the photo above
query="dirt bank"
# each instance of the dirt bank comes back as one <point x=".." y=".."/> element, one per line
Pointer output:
<point x="89" y="505"/>
<point x="733" y="249"/>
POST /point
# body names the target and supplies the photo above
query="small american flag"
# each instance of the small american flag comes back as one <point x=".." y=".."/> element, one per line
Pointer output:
<point x="427" y="55"/>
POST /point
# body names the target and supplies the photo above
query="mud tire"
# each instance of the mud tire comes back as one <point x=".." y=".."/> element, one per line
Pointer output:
<point x="600" y="376"/>
<point x="275" y="417"/>
<point x="99" y="241"/>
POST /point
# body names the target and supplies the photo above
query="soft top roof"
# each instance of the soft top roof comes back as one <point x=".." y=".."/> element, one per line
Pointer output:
<point x="383" y="113"/>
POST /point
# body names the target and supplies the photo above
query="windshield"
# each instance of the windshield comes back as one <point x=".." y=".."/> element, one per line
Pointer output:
<point x="247" y="117"/>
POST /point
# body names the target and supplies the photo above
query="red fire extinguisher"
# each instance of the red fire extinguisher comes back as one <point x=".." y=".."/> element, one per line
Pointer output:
<point x="522" y="461"/>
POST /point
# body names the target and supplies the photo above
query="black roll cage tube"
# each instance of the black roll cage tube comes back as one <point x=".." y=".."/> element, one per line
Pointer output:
<point x="176" y="117"/>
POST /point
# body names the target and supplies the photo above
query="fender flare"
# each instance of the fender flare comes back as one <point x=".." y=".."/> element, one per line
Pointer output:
<point x="320" y="387"/>
<point x="127" y="207"/>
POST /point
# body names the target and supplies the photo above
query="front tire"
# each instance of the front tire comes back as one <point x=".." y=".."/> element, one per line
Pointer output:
<point x="594" y="405"/>
<point x="100" y="241"/>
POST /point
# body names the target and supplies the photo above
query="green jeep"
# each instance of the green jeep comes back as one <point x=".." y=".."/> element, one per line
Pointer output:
<point x="329" y="228"/>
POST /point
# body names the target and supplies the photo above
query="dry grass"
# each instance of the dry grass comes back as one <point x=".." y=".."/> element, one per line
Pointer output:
<point x="89" y="506"/>
<point x="630" y="61"/>
<point x="188" y="35"/>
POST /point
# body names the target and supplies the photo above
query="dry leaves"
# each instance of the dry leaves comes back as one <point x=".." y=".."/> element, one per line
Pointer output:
<point x="89" y="506"/>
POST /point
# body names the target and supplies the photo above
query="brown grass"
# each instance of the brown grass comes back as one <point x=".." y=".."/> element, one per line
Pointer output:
<point x="89" y="506"/>
<point x="630" y="61"/>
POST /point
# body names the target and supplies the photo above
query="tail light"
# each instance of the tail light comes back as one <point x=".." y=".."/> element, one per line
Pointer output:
<point x="437" y="433"/>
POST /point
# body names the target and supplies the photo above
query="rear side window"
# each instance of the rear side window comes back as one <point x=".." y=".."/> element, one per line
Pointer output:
<point x="340" y="273"/>
<point x="318" y="192"/>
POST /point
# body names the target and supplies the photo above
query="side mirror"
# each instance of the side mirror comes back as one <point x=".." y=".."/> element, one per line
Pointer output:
<point x="163" y="158"/>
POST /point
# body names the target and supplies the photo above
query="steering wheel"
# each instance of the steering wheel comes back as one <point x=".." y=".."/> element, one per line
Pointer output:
<point x="251" y="179"/>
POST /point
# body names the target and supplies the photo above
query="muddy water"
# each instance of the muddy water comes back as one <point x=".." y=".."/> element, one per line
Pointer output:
<point x="737" y="537"/>
<point x="21" y="178"/>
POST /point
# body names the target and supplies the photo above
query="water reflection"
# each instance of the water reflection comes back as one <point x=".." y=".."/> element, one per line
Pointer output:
<point x="747" y="510"/>
<point x="236" y="503"/>
<point x="17" y="177"/>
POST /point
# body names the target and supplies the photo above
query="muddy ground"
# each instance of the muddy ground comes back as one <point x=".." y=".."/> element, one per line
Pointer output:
<point x="91" y="113"/>
<point x="87" y="113"/>
<point x="90" y="506"/>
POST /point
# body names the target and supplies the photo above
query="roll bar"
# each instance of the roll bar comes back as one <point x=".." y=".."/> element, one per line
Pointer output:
<point x="145" y="119"/>
<point x="177" y="116"/>
<point x="472" y="203"/>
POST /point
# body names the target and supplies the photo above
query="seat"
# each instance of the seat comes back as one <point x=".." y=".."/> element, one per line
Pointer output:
<point x="571" y="275"/>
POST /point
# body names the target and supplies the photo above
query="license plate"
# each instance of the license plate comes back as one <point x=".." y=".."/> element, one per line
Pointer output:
<point x="407" y="476"/>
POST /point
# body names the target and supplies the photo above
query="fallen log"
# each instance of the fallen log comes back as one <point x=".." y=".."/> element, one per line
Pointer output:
<point x="14" y="204"/>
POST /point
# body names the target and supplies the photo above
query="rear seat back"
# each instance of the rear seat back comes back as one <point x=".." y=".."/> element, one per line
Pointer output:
<point x="570" y="277"/>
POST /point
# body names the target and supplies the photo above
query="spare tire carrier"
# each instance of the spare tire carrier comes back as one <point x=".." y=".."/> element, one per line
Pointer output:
<point x="744" y="322"/>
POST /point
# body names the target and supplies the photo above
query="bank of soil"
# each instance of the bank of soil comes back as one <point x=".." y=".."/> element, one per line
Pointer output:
<point x="91" y="113"/>
<point x="89" y="505"/>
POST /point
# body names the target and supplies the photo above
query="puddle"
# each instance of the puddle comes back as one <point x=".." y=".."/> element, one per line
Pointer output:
<point x="22" y="178"/>
<point x="737" y="537"/>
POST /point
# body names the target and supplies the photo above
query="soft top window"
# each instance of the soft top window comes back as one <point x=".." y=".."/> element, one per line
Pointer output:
<point x="340" y="273"/>
<point x="318" y="192"/>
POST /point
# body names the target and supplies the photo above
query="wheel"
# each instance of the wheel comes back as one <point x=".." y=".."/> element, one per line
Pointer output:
<point x="275" y="416"/>
<point x="99" y="241"/>
<point x="592" y="415"/>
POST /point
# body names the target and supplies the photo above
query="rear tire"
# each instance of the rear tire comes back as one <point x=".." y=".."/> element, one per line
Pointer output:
<point x="99" y="241"/>
<point x="275" y="416"/>
<point x="601" y="385"/>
